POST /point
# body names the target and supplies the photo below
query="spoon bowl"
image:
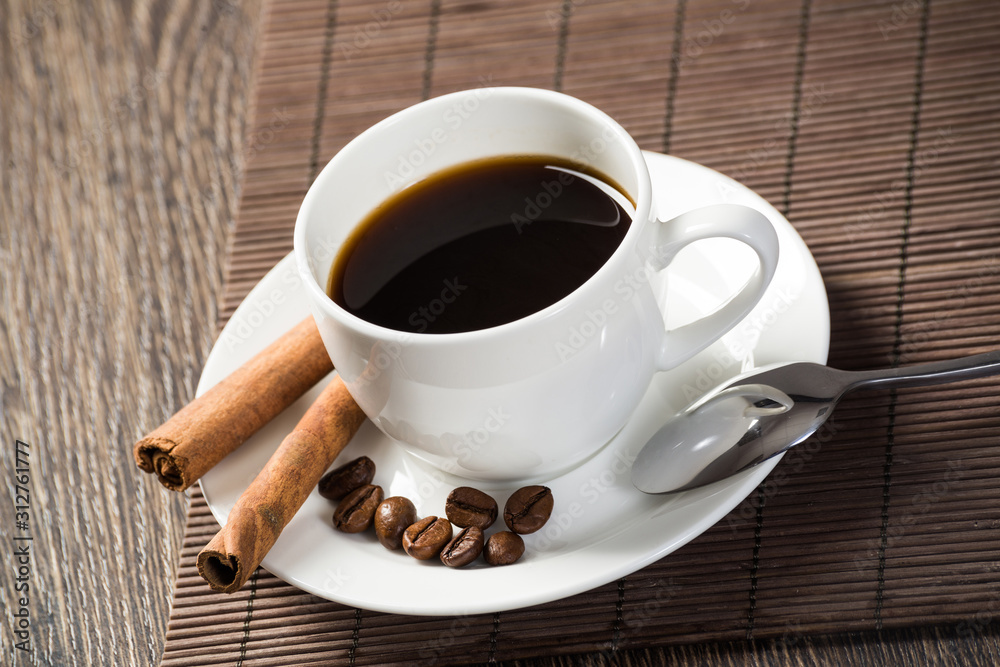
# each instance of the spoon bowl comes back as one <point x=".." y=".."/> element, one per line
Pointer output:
<point x="762" y="413"/>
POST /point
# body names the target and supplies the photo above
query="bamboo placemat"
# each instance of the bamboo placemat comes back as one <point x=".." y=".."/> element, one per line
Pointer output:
<point x="874" y="126"/>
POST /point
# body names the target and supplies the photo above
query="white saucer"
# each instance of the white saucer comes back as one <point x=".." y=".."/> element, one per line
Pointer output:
<point x="601" y="528"/>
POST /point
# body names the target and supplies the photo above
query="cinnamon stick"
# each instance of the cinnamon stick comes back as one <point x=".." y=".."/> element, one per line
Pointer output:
<point x="279" y="490"/>
<point x="203" y="432"/>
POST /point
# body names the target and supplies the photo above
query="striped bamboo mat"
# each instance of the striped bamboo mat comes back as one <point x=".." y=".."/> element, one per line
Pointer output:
<point x="874" y="126"/>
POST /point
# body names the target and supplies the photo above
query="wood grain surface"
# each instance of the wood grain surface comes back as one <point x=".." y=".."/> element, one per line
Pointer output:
<point x="122" y="134"/>
<point x="122" y="144"/>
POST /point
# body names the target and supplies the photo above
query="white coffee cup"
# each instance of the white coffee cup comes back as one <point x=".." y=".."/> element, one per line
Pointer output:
<point x="533" y="397"/>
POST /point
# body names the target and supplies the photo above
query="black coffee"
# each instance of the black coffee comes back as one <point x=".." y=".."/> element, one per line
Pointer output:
<point x="478" y="245"/>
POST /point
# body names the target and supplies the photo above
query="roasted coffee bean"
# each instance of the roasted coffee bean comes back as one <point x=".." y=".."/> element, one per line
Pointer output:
<point x="503" y="548"/>
<point x="425" y="539"/>
<point x="464" y="549"/>
<point x="355" y="512"/>
<point x="467" y="506"/>
<point x="337" y="483"/>
<point x="528" y="509"/>
<point x="392" y="518"/>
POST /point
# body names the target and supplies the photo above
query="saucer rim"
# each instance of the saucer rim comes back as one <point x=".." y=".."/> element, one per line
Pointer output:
<point x="734" y="493"/>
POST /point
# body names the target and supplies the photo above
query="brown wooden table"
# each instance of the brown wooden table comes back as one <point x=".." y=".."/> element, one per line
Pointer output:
<point x="121" y="146"/>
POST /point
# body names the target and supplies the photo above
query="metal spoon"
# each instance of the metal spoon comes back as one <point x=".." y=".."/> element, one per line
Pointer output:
<point x="762" y="413"/>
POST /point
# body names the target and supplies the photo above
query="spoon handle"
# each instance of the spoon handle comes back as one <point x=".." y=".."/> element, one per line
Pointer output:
<point x="937" y="372"/>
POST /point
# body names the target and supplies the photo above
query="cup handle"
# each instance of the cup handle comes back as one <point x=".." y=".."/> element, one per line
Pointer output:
<point x="720" y="220"/>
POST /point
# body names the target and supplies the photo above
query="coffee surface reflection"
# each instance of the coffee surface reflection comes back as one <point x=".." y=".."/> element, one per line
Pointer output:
<point x="479" y="245"/>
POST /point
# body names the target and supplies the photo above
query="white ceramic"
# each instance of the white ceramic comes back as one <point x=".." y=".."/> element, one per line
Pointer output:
<point x="601" y="527"/>
<point x="524" y="400"/>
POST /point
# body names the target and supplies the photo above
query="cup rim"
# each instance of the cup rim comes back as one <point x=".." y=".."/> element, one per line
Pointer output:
<point x="643" y="207"/>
